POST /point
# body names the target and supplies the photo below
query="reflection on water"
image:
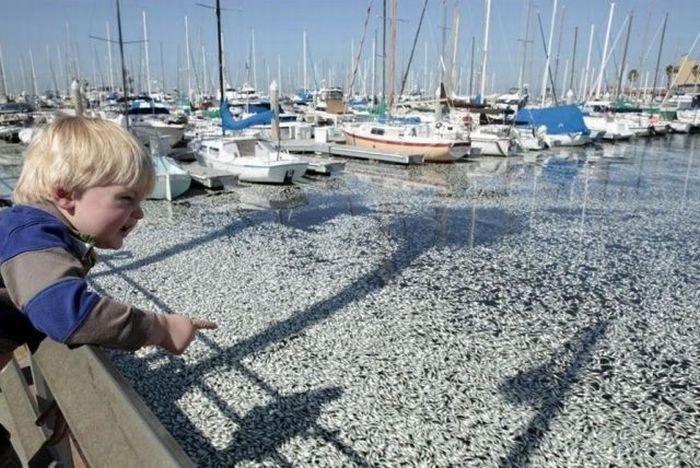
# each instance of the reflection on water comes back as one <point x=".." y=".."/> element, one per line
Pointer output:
<point x="691" y="155"/>
<point x="265" y="198"/>
<point x="479" y="201"/>
<point x="469" y="203"/>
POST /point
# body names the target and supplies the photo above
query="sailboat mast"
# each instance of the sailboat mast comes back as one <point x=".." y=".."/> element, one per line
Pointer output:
<point x="109" y="57"/>
<point x="52" y="69"/>
<point x="413" y="49"/>
<point x="471" y="68"/>
<point x="121" y="55"/>
<point x="255" y="68"/>
<point x="548" y="70"/>
<point x="573" y="59"/>
<point x="187" y="58"/>
<point x="35" y="89"/>
<point x="482" y="87"/>
<point x="444" y="41"/>
<point x="425" y="67"/>
<point x="392" y="57"/>
<point x="525" y="42"/>
<point x="205" y="78"/>
<point x="221" y="61"/>
<point x="586" y="74"/>
<point x="162" y="67"/>
<point x="624" y="58"/>
<point x="306" y="81"/>
<point x="605" y="52"/>
<point x="3" y="81"/>
<point x="374" y="66"/>
<point x="220" y="50"/>
<point x="658" y="57"/>
<point x="561" y="35"/>
<point x="145" y="50"/>
<point x="60" y="63"/>
<point x="384" y="51"/>
<point x="455" y="36"/>
<point x="547" y="58"/>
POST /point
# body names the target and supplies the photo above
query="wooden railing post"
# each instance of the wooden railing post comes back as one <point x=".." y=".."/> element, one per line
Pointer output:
<point x="109" y="422"/>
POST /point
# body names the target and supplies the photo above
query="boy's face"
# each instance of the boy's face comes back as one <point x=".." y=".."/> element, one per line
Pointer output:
<point x="109" y="213"/>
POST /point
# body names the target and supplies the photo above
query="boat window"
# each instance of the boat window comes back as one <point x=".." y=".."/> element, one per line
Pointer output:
<point x="246" y="147"/>
<point x="377" y="131"/>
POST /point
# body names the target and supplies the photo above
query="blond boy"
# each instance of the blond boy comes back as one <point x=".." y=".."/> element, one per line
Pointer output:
<point x="81" y="186"/>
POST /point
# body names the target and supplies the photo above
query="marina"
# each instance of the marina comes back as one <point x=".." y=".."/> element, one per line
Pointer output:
<point x="415" y="255"/>
<point x="535" y="310"/>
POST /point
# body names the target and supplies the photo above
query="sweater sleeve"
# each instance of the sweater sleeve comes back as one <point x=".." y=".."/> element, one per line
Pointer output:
<point x="48" y="286"/>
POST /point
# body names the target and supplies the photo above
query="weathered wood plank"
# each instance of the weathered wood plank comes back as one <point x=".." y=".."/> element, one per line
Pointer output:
<point x="113" y="426"/>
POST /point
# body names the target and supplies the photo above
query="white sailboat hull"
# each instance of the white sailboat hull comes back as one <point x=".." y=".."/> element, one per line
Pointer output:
<point x="167" y="134"/>
<point x="402" y="140"/>
<point x="253" y="169"/>
<point x="487" y="144"/>
<point x="171" y="180"/>
<point x="567" y="139"/>
<point x="260" y="166"/>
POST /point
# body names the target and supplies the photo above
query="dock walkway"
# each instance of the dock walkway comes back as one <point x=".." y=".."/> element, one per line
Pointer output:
<point x="348" y="151"/>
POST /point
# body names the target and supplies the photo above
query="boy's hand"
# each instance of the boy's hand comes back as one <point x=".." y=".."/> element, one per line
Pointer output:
<point x="176" y="332"/>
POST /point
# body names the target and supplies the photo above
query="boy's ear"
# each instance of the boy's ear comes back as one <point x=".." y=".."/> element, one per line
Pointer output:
<point x="62" y="198"/>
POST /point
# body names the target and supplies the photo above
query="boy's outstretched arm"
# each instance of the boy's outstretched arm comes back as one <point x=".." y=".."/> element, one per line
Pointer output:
<point x="175" y="332"/>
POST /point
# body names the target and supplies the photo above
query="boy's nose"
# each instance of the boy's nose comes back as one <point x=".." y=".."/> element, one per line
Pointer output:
<point x="138" y="214"/>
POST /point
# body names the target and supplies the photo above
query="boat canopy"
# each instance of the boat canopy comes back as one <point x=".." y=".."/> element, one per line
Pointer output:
<point x="229" y="123"/>
<point x="302" y="95"/>
<point x="558" y="120"/>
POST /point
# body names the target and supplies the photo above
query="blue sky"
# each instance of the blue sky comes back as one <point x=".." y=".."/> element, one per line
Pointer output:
<point x="65" y="27"/>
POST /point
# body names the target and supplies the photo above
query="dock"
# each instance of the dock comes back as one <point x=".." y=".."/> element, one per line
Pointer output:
<point x="209" y="177"/>
<point x="311" y="146"/>
<point x="323" y="165"/>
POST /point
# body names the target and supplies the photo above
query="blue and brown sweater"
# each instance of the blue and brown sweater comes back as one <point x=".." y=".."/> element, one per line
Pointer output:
<point x="43" y="291"/>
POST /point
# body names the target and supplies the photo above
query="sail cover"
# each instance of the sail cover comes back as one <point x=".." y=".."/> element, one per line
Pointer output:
<point x="229" y="123"/>
<point x="558" y="120"/>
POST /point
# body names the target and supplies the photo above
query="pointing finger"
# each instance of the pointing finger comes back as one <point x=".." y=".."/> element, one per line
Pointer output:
<point x="201" y="324"/>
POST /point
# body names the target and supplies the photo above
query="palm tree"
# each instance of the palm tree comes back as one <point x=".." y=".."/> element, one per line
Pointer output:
<point x="632" y="77"/>
<point x="695" y="71"/>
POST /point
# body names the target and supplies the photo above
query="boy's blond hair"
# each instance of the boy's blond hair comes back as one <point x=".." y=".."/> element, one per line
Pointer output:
<point x="77" y="153"/>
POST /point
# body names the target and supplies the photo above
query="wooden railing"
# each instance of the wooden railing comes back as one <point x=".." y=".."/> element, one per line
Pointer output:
<point x="110" y="425"/>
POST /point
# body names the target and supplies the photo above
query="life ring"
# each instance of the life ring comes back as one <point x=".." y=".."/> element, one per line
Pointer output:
<point x="438" y="124"/>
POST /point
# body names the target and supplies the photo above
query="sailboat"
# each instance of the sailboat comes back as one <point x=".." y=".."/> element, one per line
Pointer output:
<point x="171" y="179"/>
<point x="564" y="125"/>
<point x="251" y="157"/>
<point x="436" y="141"/>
